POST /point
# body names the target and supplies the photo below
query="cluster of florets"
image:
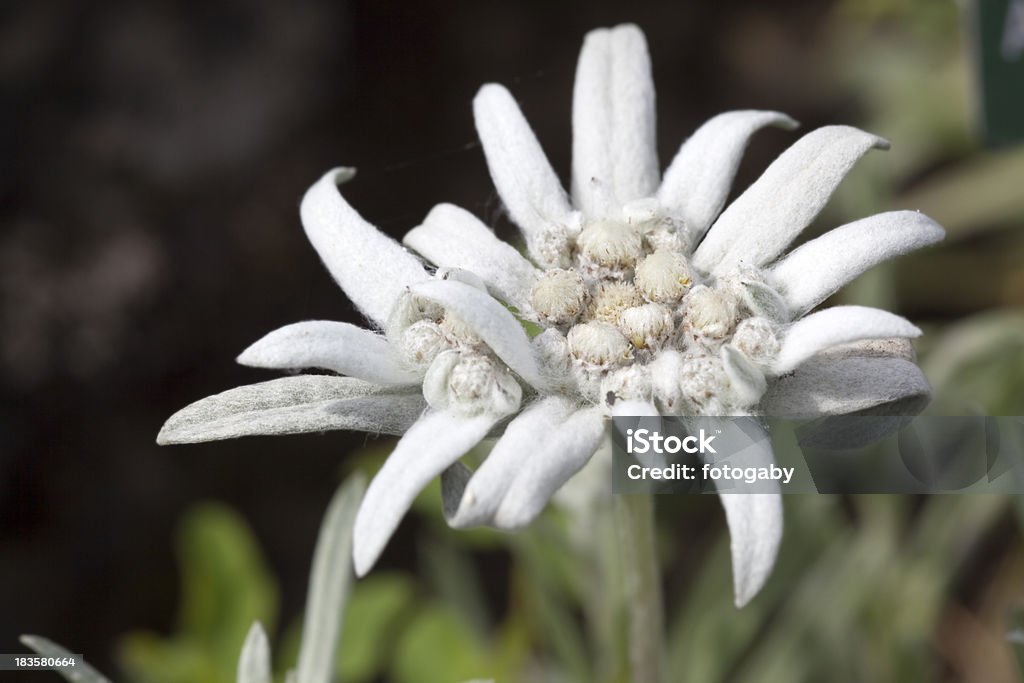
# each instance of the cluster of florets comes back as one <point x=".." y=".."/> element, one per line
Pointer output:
<point x="462" y="374"/>
<point x="625" y="317"/>
<point x="630" y="319"/>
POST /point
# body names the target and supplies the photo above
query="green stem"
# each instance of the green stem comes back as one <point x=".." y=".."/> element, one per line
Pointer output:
<point x="635" y="522"/>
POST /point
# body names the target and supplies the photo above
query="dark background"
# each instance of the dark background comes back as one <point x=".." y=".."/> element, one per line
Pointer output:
<point x="155" y="154"/>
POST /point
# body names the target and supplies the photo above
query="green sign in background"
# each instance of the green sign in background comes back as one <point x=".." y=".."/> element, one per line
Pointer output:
<point x="998" y="35"/>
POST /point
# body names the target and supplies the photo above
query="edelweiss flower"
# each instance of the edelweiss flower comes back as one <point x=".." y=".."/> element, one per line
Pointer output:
<point x="651" y="298"/>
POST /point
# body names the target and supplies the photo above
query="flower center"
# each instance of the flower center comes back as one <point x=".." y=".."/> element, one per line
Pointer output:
<point x="640" y="324"/>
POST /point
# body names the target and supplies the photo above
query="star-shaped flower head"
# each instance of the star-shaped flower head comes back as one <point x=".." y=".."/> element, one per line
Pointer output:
<point x="656" y="301"/>
<point x="641" y="312"/>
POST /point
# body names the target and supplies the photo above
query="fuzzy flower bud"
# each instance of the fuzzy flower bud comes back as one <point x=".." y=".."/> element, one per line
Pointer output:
<point x="611" y="299"/>
<point x="422" y="341"/>
<point x="663" y="277"/>
<point x="709" y="313"/>
<point x="471" y="384"/>
<point x="646" y="326"/>
<point x="610" y="245"/>
<point x="559" y="295"/>
<point x="598" y="343"/>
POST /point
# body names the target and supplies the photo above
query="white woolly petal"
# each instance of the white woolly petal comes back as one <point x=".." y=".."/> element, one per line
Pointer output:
<point x="524" y="435"/>
<point x="521" y="173"/>
<point x="451" y="236"/>
<point x="613" y="121"/>
<point x="755" y="531"/>
<point x="752" y="511"/>
<point x="291" y="405"/>
<point x="815" y="270"/>
<point x="762" y="221"/>
<point x="254" y="662"/>
<point x="553" y="455"/>
<point x="432" y="444"/>
<point x="698" y="180"/>
<point x="491" y="321"/>
<point x="840" y="382"/>
<point x="370" y="267"/>
<point x="343" y="348"/>
<point x="834" y="326"/>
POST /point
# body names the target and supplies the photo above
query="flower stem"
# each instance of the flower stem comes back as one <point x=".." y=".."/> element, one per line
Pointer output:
<point x="635" y="522"/>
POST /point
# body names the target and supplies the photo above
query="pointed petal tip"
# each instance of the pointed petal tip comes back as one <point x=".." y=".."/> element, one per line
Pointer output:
<point x="170" y="432"/>
<point x="623" y="29"/>
<point x="755" y="546"/>
<point x="365" y="550"/>
<point x="489" y="90"/>
<point x="341" y="174"/>
<point x="362" y="562"/>
<point x="933" y="231"/>
<point x="440" y="211"/>
<point x="257" y="630"/>
<point x="249" y="358"/>
<point x="874" y="141"/>
<point x="515" y="520"/>
<point x="786" y="122"/>
<point x="741" y="601"/>
<point x="595" y="34"/>
<point x="628" y="28"/>
<point x="746" y="589"/>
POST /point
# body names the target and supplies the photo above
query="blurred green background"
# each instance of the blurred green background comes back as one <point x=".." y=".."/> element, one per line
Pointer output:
<point x="152" y="233"/>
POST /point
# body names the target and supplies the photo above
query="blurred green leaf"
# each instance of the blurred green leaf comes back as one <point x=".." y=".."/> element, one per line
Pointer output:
<point x="439" y="647"/>
<point x="545" y="583"/>
<point x="973" y="196"/>
<point x="225" y="587"/>
<point x="454" y="579"/>
<point x="708" y="635"/>
<point x="977" y="364"/>
<point x="374" y="619"/>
